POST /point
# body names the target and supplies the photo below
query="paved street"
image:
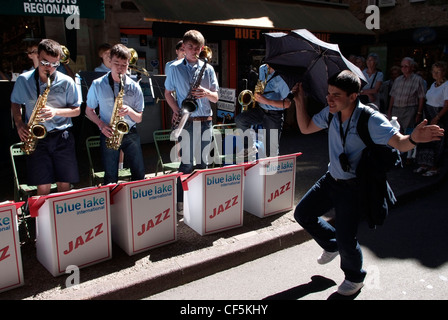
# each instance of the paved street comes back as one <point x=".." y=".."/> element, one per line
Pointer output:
<point x="406" y="259"/>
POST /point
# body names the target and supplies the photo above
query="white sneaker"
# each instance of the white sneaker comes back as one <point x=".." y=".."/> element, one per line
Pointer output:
<point x="348" y="288"/>
<point x="247" y="153"/>
<point x="251" y="151"/>
<point x="180" y="208"/>
<point x="327" y="257"/>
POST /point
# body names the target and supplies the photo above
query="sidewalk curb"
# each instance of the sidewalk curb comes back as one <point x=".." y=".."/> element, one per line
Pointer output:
<point x="180" y="270"/>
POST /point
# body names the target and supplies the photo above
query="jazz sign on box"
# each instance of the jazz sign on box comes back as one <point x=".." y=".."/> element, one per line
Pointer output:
<point x="11" y="275"/>
<point x="73" y="228"/>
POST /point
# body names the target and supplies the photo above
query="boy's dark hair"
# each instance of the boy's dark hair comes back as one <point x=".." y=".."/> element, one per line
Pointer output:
<point x="103" y="47"/>
<point x="120" y="51"/>
<point x="194" y="36"/>
<point x="346" y="81"/>
<point x="51" y="47"/>
<point x="179" y="44"/>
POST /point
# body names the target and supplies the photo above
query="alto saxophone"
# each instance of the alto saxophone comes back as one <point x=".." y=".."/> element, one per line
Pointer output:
<point x="36" y="129"/>
<point x="189" y="104"/>
<point x="117" y="123"/>
<point x="246" y="97"/>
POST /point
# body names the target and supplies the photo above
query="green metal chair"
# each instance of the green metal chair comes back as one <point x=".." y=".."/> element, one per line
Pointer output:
<point x="220" y="130"/>
<point x="163" y="164"/>
<point x="96" y="176"/>
<point x="22" y="191"/>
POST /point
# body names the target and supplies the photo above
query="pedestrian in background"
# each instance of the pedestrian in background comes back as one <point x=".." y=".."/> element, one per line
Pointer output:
<point x="429" y="155"/>
<point x="104" y="54"/>
<point x="407" y="96"/>
<point x="374" y="78"/>
<point x="394" y="73"/>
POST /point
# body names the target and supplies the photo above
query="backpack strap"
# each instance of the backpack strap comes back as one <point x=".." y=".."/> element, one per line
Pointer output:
<point x="330" y="117"/>
<point x="363" y="128"/>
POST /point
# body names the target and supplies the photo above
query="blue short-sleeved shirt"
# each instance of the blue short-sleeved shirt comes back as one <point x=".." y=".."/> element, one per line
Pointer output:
<point x="276" y="88"/>
<point x="180" y="78"/>
<point x="100" y="94"/>
<point x="102" y="68"/>
<point x="380" y="131"/>
<point x="63" y="93"/>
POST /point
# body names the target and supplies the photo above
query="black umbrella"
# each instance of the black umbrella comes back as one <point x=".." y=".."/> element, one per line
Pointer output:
<point x="300" y="56"/>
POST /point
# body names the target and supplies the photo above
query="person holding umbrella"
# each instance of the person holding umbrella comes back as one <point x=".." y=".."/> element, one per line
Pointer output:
<point x="338" y="187"/>
<point x="272" y="103"/>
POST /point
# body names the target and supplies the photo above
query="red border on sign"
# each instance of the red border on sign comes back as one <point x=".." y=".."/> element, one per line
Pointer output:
<point x="13" y="227"/>
<point x="107" y="229"/>
<point x="241" y="202"/>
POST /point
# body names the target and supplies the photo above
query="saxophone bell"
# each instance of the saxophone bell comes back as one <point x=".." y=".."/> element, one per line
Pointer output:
<point x="65" y="58"/>
<point x="245" y="98"/>
<point x="39" y="131"/>
<point x="189" y="105"/>
<point x="133" y="63"/>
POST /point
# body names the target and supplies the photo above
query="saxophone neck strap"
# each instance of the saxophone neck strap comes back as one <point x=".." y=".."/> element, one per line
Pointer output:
<point x="36" y="79"/>
<point x="272" y="77"/>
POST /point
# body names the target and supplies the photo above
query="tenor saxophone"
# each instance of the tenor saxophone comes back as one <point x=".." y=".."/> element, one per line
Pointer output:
<point x="117" y="123"/>
<point x="189" y="104"/>
<point x="35" y="127"/>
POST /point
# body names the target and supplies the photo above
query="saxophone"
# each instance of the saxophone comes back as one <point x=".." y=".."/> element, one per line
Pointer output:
<point x="117" y="123"/>
<point x="36" y="129"/>
<point x="246" y="97"/>
<point x="189" y="104"/>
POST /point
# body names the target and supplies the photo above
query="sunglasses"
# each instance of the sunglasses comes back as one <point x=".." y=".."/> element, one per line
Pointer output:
<point x="46" y="63"/>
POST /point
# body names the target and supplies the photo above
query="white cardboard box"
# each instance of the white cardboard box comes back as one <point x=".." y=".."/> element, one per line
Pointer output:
<point x="213" y="199"/>
<point x="143" y="213"/>
<point x="270" y="185"/>
<point x="72" y="228"/>
<point x="11" y="274"/>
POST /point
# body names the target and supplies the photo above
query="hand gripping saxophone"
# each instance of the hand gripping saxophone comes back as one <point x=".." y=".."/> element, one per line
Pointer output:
<point x="36" y="129"/>
<point x="189" y="104"/>
<point x="117" y="123"/>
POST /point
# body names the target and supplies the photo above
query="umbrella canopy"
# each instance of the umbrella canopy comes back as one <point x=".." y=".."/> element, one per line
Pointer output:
<point x="299" y="56"/>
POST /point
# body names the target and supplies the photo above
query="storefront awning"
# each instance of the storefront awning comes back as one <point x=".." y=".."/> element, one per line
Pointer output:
<point x="255" y="13"/>
<point x="93" y="9"/>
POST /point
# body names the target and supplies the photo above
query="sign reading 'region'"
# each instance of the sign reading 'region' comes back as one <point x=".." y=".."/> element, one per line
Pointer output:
<point x="93" y="9"/>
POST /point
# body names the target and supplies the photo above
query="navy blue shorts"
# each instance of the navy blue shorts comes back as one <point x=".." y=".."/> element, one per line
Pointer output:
<point x="54" y="159"/>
